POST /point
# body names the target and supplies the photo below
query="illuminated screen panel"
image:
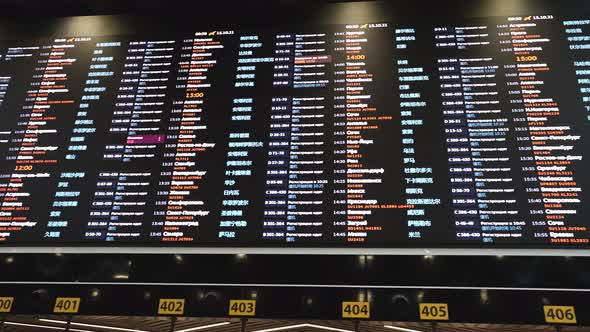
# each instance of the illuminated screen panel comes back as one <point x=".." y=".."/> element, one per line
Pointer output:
<point x="374" y="135"/>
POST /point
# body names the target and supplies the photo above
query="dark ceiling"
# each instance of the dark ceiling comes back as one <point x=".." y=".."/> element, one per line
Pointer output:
<point x="196" y="9"/>
<point x="12" y="8"/>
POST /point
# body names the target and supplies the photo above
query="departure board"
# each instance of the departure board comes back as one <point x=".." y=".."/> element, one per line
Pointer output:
<point x="468" y="134"/>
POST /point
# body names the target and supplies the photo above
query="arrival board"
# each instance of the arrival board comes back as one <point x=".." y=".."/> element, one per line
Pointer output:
<point x="373" y="135"/>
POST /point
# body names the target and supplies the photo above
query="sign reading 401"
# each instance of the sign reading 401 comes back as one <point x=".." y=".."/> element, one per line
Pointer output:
<point x="66" y="305"/>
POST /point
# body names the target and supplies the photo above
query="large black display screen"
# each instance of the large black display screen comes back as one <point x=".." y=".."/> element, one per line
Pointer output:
<point x="375" y="135"/>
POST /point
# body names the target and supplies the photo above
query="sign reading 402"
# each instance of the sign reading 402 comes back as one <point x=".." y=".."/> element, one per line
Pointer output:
<point x="171" y="307"/>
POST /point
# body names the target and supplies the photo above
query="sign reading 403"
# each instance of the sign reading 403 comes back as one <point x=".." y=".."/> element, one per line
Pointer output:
<point x="242" y="308"/>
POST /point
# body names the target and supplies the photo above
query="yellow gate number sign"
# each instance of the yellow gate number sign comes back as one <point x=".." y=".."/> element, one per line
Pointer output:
<point x="242" y="307"/>
<point x="66" y="305"/>
<point x="171" y="307"/>
<point x="6" y="304"/>
<point x="559" y="314"/>
<point x="356" y="310"/>
<point x="434" y="311"/>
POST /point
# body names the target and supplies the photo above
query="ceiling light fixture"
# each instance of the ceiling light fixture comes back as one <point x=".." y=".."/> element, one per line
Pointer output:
<point x="281" y="328"/>
<point x="327" y="328"/>
<point x="45" y="327"/>
<point x="202" y="327"/>
<point x="106" y="327"/>
<point x="289" y="327"/>
<point x="404" y="329"/>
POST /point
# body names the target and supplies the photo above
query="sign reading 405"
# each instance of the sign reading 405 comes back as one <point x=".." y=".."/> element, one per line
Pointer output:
<point x="434" y="311"/>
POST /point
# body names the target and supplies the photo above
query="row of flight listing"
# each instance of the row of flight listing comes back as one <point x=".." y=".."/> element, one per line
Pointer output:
<point x="371" y="135"/>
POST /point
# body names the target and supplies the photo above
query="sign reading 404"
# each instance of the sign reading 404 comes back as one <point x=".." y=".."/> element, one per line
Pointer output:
<point x="356" y="310"/>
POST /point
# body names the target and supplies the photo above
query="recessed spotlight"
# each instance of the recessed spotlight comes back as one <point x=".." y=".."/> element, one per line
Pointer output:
<point x="95" y="292"/>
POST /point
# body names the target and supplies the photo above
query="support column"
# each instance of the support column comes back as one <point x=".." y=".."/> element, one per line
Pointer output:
<point x="68" y="323"/>
<point x="172" y="324"/>
<point x="244" y="322"/>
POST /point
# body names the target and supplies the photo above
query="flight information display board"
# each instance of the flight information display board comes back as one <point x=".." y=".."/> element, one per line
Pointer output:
<point x="372" y="135"/>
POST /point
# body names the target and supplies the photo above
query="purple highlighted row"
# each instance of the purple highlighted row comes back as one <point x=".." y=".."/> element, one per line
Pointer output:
<point x="146" y="139"/>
